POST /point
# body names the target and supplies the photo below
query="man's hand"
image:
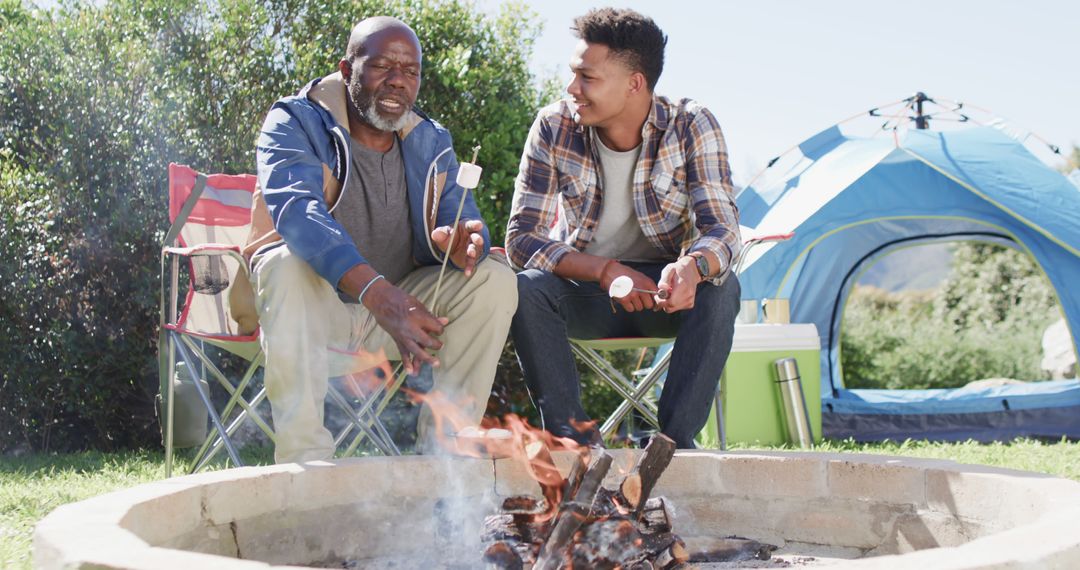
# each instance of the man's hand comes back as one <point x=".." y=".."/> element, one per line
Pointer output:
<point x="636" y="300"/>
<point x="680" y="280"/>
<point x="467" y="246"/>
<point x="408" y="322"/>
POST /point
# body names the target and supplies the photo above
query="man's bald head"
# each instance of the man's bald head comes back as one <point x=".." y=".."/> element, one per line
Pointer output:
<point x="369" y="28"/>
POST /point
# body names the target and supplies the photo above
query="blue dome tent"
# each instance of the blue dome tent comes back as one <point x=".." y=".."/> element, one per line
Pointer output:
<point x="851" y="200"/>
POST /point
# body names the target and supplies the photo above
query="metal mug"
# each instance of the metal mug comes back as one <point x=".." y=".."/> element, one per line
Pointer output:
<point x="776" y="311"/>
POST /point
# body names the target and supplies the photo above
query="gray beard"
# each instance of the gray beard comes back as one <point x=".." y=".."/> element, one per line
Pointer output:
<point x="371" y="115"/>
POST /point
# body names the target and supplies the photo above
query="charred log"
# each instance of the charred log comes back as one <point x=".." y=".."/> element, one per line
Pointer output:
<point x="655" y="516"/>
<point x="577" y="472"/>
<point x="572" y="515"/>
<point x="502" y="556"/>
<point x="638" y="485"/>
<point x="730" y="549"/>
<point x="545" y="473"/>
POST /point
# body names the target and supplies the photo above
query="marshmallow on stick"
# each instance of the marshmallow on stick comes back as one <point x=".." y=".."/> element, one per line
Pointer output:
<point x="622" y="285"/>
<point x="468" y="177"/>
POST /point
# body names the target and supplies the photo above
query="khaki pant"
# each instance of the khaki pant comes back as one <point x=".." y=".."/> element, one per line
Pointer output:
<point x="309" y="335"/>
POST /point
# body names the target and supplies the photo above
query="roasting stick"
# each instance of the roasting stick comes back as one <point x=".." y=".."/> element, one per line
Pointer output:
<point x="468" y="177"/>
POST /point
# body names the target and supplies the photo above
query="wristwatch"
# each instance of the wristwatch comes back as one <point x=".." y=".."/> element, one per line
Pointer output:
<point x="702" y="264"/>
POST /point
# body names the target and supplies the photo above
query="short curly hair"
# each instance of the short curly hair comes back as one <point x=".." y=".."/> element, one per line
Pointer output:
<point x="632" y="37"/>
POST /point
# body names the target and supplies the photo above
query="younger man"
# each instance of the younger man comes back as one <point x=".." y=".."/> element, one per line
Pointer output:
<point x="618" y="181"/>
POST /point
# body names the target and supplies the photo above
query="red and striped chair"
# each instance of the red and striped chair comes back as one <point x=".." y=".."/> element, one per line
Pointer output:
<point x="204" y="276"/>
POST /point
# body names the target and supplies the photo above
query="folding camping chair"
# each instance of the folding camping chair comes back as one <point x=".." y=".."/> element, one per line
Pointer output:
<point x="210" y="217"/>
<point x="636" y="395"/>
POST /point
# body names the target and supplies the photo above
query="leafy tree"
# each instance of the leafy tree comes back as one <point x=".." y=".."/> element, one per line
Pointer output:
<point x="992" y="286"/>
<point x="100" y="96"/>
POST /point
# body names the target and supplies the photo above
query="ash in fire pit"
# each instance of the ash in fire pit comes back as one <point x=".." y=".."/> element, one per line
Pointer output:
<point x="579" y="524"/>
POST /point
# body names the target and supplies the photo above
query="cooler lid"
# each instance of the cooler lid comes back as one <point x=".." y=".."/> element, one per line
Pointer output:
<point x="764" y="336"/>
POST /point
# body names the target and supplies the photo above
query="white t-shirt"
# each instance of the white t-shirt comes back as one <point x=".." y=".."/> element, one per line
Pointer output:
<point x="618" y="233"/>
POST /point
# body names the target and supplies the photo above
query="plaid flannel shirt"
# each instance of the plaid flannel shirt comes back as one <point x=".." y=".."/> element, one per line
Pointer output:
<point x="682" y="188"/>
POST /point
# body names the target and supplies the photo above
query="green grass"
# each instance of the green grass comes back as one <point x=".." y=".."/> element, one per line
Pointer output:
<point x="1060" y="458"/>
<point x="31" y="486"/>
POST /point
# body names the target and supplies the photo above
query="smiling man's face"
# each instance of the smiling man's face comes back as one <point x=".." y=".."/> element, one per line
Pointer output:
<point x="385" y="78"/>
<point x="601" y="85"/>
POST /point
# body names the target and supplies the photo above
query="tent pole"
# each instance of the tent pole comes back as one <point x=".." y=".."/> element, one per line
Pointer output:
<point x="921" y="121"/>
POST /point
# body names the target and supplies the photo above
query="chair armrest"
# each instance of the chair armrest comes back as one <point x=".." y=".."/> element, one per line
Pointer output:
<point x="203" y="249"/>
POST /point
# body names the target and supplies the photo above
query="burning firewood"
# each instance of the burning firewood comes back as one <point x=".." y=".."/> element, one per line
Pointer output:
<point x="671" y="557"/>
<point x="543" y="470"/>
<point x="637" y="486"/>
<point x="522" y="520"/>
<point x="607" y="544"/>
<point x="572" y="515"/>
<point x="655" y="517"/>
<point x="503" y="556"/>
<point x="577" y="472"/>
<point x="580" y="524"/>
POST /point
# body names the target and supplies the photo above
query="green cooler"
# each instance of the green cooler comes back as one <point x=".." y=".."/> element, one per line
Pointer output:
<point x="749" y="394"/>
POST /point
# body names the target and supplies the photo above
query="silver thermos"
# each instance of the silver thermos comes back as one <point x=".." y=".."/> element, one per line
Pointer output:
<point x="796" y="417"/>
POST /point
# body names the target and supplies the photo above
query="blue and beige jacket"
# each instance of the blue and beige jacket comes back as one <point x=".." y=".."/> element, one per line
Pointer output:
<point x="303" y="168"/>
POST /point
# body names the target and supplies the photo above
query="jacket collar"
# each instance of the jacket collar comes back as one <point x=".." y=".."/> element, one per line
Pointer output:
<point x="330" y="93"/>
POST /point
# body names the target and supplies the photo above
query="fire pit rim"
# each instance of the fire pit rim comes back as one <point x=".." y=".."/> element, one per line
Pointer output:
<point x="92" y="531"/>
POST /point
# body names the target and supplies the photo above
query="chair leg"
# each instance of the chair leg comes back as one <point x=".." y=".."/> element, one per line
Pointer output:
<point x="236" y="393"/>
<point x="377" y="435"/>
<point x="169" y="407"/>
<point x="633" y="401"/>
<point x="229" y="447"/>
<point x="381" y="396"/>
<point x="630" y="393"/>
<point x="204" y="456"/>
<point x="718" y="404"/>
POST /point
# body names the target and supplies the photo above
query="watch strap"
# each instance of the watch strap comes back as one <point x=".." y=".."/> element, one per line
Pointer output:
<point x="702" y="264"/>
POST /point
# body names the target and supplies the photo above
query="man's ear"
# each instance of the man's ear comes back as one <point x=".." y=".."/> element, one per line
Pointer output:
<point x="345" y="68"/>
<point x="638" y="82"/>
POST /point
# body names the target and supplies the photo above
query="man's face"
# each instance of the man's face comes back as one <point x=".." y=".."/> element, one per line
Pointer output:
<point x="385" y="78"/>
<point x="601" y="84"/>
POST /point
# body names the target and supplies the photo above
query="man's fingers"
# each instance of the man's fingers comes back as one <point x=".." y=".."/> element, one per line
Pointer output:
<point x="477" y="240"/>
<point x="441" y="236"/>
<point x="430" y="326"/>
<point x="427" y="341"/>
<point x="665" y="276"/>
<point x="419" y="355"/>
<point x="406" y="358"/>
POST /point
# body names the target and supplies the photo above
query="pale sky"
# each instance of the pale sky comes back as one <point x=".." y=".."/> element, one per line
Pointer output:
<point x="776" y="72"/>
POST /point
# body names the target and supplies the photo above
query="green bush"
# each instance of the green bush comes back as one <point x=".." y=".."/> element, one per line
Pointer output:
<point x="101" y="96"/>
<point x="986" y="321"/>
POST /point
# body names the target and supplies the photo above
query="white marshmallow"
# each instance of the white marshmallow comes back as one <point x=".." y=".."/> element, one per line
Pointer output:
<point x="468" y="175"/>
<point x="620" y="287"/>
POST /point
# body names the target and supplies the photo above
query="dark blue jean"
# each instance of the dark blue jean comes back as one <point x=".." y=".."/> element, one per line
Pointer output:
<point x="551" y="309"/>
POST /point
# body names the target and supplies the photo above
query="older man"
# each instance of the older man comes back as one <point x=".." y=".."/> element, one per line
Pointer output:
<point x="618" y="181"/>
<point x="357" y="195"/>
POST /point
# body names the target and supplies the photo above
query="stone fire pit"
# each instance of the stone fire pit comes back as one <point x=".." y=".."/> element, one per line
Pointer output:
<point x="857" y="511"/>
